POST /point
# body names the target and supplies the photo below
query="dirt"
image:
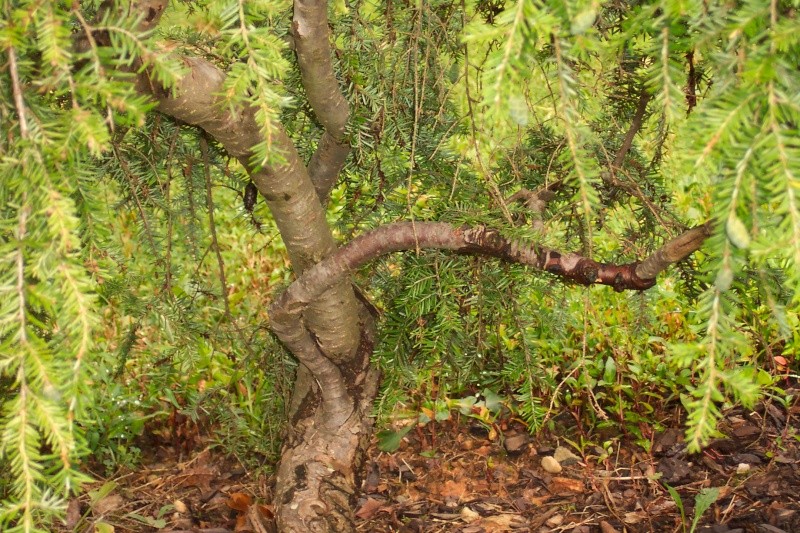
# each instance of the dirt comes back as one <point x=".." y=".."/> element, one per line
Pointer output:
<point x="462" y="476"/>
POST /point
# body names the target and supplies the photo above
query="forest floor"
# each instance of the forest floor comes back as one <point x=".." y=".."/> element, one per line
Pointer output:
<point x="462" y="476"/>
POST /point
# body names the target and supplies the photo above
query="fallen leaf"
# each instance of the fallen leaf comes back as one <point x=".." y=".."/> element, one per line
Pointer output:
<point x="634" y="517"/>
<point x="200" y="477"/>
<point x="73" y="515"/>
<point x="266" y="511"/>
<point x="565" y="484"/>
<point x="453" y="489"/>
<point x="502" y="522"/>
<point x="243" y="524"/>
<point x="239" y="501"/>
<point x="102" y="527"/>
<point x="468" y="515"/>
<point x="369" y="508"/>
<point x="534" y="498"/>
<point x="605" y="527"/>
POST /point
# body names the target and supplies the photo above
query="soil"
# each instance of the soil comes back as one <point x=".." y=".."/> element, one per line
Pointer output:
<point x="462" y="476"/>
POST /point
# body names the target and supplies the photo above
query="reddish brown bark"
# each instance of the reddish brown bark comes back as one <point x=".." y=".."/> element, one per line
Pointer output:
<point x="472" y="240"/>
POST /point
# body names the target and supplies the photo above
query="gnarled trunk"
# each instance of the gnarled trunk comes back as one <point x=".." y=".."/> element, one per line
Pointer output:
<point x="318" y="476"/>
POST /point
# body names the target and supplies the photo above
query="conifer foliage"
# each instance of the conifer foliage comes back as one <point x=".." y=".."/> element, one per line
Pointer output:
<point x="592" y="141"/>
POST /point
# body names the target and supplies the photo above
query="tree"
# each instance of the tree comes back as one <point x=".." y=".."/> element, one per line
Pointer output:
<point x="613" y="108"/>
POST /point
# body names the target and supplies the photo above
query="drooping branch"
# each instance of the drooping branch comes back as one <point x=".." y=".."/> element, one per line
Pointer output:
<point x="289" y="307"/>
<point x="312" y="43"/>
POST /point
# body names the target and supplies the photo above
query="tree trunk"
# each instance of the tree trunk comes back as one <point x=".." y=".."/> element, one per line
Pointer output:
<point x="324" y="448"/>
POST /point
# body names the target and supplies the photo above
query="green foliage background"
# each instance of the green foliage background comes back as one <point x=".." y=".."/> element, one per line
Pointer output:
<point x="128" y="293"/>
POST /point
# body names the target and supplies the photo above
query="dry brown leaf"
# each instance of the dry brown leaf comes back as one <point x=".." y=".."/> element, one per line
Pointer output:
<point x="200" y="477"/>
<point x="243" y="524"/>
<point x="369" y="508"/>
<point x="73" y="515"/>
<point x="453" y="489"/>
<point x="239" y="501"/>
<point x="533" y="497"/>
<point x="483" y="451"/>
<point x="480" y="485"/>
<point x="605" y="527"/>
<point x="266" y="511"/>
<point x="634" y="517"/>
<point x="565" y="484"/>
<point x="259" y="522"/>
<point x="502" y="522"/>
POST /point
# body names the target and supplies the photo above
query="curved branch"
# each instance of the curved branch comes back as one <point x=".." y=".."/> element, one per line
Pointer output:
<point x="287" y="188"/>
<point x="288" y="308"/>
<point x="312" y="44"/>
<point x="636" y="125"/>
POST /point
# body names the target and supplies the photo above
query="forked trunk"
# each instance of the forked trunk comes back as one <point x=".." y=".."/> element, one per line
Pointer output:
<point x="318" y="476"/>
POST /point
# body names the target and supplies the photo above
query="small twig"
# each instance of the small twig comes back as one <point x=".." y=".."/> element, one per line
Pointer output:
<point x="133" y="180"/>
<point x="16" y="89"/>
<point x="213" y="228"/>
<point x="636" y="125"/>
<point x="215" y="246"/>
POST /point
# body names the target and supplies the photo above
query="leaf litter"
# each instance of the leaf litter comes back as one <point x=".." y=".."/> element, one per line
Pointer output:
<point x="458" y="475"/>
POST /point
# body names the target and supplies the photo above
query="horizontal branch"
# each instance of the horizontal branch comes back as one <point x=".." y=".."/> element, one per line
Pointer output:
<point x="479" y="240"/>
<point x="675" y="250"/>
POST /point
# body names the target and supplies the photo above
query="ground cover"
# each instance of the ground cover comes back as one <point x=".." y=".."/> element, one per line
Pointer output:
<point x="462" y="475"/>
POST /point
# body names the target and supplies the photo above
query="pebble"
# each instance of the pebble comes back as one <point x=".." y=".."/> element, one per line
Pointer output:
<point x="551" y="465"/>
<point x="565" y="457"/>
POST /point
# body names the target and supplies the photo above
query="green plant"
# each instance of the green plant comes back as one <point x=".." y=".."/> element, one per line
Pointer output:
<point x="702" y="501"/>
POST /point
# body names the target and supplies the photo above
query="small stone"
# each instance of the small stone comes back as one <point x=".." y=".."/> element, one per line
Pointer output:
<point x="749" y="458"/>
<point x="551" y="465"/>
<point x="180" y="506"/>
<point x="468" y="515"/>
<point x="742" y="468"/>
<point x="565" y="457"/>
<point x="515" y="443"/>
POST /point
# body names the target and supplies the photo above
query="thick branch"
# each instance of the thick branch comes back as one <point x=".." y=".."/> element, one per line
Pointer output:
<point x="675" y="250"/>
<point x="288" y="309"/>
<point x="286" y="187"/>
<point x="312" y="43"/>
<point x="326" y="164"/>
<point x="477" y="240"/>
